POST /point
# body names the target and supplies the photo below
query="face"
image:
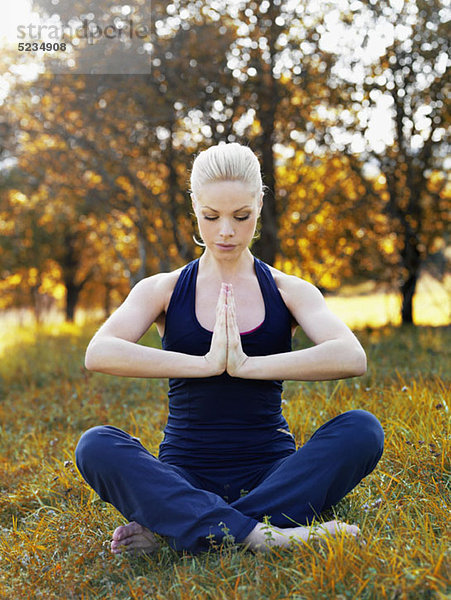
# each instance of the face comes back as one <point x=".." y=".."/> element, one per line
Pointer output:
<point x="227" y="215"/>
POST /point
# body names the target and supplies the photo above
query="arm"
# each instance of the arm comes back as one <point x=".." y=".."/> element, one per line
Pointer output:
<point x="114" y="348"/>
<point x="336" y="354"/>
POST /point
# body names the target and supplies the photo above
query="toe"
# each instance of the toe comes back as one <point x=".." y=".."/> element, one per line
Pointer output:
<point x="124" y="531"/>
<point x="118" y="533"/>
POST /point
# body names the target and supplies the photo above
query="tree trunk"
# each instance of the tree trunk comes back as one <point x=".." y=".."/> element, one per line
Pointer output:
<point x="37" y="308"/>
<point x="408" y="291"/>
<point x="70" y="263"/>
<point x="185" y="252"/>
<point x="267" y="246"/>
<point x="411" y="261"/>
<point x="72" y="295"/>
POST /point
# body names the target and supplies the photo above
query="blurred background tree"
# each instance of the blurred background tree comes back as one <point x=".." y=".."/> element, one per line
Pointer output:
<point x="411" y="79"/>
<point x="96" y="181"/>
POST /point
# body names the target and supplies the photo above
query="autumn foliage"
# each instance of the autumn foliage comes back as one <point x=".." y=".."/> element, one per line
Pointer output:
<point x="94" y="193"/>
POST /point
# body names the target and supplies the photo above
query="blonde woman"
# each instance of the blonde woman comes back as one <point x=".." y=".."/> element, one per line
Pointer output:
<point x="226" y="321"/>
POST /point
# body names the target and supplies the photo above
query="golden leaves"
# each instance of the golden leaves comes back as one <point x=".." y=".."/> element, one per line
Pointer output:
<point x="16" y="197"/>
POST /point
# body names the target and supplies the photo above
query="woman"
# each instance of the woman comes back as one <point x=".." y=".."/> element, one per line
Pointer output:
<point x="228" y="458"/>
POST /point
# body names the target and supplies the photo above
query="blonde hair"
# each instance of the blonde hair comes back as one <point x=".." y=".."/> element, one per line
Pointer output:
<point x="226" y="162"/>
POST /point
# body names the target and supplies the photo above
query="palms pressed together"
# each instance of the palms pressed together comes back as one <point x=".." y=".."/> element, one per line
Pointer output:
<point x="226" y="352"/>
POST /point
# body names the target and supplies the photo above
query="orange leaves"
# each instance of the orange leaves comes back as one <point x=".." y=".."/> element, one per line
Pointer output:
<point x="16" y="197"/>
<point x="388" y="244"/>
<point x="91" y="178"/>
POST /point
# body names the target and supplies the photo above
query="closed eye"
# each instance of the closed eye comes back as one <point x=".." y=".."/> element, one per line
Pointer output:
<point x="237" y="218"/>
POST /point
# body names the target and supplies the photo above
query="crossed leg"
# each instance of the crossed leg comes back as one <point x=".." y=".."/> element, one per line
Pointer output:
<point x="154" y="496"/>
<point x="298" y="488"/>
<point x="295" y="489"/>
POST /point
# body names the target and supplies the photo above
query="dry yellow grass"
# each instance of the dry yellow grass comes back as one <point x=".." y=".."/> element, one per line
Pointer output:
<point x="54" y="531"/>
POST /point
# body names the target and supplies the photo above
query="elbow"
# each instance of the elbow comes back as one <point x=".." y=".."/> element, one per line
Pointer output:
<point x="89" y="365"/>
<point x="359" y="363"/>
<point x="91" y="362"/>
<point x="352" y="360"/>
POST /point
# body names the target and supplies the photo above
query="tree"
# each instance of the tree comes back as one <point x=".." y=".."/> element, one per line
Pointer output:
<point x="110" y="168"/>
<point x="119" y="159"/>
<point x="411" y="76"/>
<point x="275" y="60"/>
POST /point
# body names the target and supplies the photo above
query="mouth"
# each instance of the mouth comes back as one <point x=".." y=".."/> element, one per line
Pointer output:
<point x="225" y="246"/>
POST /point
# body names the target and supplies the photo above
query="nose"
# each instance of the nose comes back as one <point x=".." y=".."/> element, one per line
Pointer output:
<point x="227" y="229"/>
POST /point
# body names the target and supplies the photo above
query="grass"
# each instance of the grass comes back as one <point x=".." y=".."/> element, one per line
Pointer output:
<point x="55" y="532"/>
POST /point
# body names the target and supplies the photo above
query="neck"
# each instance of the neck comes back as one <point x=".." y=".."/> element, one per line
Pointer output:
<point x="226" y="270"/>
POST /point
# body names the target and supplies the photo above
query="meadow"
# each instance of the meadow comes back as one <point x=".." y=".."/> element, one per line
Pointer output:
<point x="55" y="531"/>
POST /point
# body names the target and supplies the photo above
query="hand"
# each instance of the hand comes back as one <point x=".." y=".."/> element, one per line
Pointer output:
<point x="216" y="357"/>
<point x="236" y="358"/>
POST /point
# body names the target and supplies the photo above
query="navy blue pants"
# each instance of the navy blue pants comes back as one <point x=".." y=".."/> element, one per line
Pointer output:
<point x="174" y="503"/>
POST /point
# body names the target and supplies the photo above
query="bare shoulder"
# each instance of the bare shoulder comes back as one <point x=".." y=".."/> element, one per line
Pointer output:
<point x="160" y="285"/>
<point x="295" y="290"/>
<point x="145" y="304"/>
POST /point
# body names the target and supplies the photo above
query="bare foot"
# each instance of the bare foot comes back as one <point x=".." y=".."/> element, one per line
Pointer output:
<point x="133" y="537"/>
<point x="264" y="537"/>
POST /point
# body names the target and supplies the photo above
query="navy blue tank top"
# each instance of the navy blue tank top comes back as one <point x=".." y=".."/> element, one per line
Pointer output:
<point x="224" y="418"/>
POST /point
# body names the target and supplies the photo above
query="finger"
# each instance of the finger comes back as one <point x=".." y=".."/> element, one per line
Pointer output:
<point x="231" y="335"/>
<point x="232" y="307"/>
<point x="221" y="299"/>
<point x="227" y="287"/>
<point x="232" y="324"/>
<point x="231" y="299"/>
<point x="221" y="321"/>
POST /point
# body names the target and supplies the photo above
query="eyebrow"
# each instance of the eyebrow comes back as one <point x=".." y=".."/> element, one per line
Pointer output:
<point x="235" y="211"/>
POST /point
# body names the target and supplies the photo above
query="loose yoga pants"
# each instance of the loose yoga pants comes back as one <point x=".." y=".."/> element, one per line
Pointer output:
<point x="171" y="501"/>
